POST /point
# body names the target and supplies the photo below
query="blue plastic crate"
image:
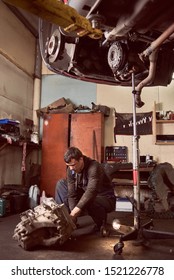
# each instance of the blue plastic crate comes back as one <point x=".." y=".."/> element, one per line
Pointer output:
<point x="9" y="121"/>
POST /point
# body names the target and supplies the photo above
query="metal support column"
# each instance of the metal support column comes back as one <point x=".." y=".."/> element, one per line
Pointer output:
<point x="136" y="175"/>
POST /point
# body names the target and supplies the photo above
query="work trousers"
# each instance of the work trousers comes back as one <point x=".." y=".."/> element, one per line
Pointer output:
<point x="97" y="209"/>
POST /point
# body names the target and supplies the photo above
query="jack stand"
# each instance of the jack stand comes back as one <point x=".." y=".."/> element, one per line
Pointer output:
<point x="140" y="233"/>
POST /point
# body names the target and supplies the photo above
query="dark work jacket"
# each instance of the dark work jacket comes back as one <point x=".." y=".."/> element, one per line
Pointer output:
<point x="93" y="181"/>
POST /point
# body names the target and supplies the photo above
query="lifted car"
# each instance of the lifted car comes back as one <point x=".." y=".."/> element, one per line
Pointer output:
<point x="105" y="41"/>
<point x="138" y="36"/>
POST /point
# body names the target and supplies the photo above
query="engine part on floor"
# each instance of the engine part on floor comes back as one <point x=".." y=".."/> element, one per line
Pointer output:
<point x="46" y="225"/>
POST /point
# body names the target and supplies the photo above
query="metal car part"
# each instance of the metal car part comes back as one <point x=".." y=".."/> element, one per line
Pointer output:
<point x="116" y="56"/>
<point x="125" y="24"/>
<point x="84" y="7"/>
<point x="46" y="225"/>
<point x="54" y="46"/>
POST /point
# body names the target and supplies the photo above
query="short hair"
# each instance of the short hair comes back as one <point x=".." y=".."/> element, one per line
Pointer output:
<point x="72" y="153"/>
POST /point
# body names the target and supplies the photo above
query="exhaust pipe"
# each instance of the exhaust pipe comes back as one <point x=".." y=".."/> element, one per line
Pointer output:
<point x="152" y="52"/>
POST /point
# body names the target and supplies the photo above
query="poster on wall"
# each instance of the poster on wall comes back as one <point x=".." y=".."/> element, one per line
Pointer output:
<point x="124" y="123"/>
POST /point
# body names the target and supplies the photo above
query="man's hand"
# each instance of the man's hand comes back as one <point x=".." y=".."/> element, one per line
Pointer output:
<point x="75" y="213"/>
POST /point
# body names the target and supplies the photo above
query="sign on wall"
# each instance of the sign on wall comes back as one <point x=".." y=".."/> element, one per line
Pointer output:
<point x="124" y="123"/>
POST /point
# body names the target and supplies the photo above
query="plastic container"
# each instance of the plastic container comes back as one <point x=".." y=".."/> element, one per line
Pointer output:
<point x="35" y="138"/>
<point x="34" y="195"/>
<point x="9" y="121"/>
<point x="43" y="197"/>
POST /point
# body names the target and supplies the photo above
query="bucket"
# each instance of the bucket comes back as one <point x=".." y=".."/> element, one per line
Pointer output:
<point x="2" y="207"/>
<point x="19" y="202"/>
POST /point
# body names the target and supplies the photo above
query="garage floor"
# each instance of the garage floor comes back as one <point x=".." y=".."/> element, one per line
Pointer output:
<point x="87" y="244"/>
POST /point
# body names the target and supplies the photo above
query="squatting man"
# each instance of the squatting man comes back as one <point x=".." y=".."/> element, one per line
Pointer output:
<point x="86" y="188"/>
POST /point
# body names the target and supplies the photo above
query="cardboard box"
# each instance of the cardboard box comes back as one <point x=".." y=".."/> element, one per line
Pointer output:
<point x="59" y="106"/>
<point x="123" y="204"/>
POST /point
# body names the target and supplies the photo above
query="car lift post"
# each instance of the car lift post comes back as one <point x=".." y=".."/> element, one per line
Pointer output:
<point x="141" y="232"/>
<point x="136" y="233"/>
<point x="136" y="173"/>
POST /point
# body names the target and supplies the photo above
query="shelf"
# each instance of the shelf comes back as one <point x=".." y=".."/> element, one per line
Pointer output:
<point x="164" y="143"/>
<point x="164" y="121"/>
<point x="30" y="145"/>
<point x="162" y="128"/>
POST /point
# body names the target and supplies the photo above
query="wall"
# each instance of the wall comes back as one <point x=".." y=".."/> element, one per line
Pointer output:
<point x="120" y="98"/>
<point x="17" y="66"/>
<point x="56" y="86"/>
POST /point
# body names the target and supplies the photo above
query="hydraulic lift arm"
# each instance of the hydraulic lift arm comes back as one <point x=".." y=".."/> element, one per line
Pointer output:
<point x="55" y="11"/>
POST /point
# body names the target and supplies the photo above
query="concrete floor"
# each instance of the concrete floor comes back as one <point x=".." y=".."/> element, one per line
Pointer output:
<point x="88" y="245"/>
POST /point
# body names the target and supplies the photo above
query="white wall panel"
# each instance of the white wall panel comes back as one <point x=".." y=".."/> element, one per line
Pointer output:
<point x="10" y="162"/>
<point x="15" y="85"/>
<point x="16" y="42"/>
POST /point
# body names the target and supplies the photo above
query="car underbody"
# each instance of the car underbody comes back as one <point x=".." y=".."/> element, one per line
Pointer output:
<point x="107" y="42"/>
<point x="137" y="37"/>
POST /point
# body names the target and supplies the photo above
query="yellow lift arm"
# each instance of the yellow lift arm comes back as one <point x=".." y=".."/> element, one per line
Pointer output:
<point x="55" y="11"/>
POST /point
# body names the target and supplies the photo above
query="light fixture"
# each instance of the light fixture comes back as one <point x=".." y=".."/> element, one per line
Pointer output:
<point x="116" y="224"/>
<point x="123" y="229"/>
